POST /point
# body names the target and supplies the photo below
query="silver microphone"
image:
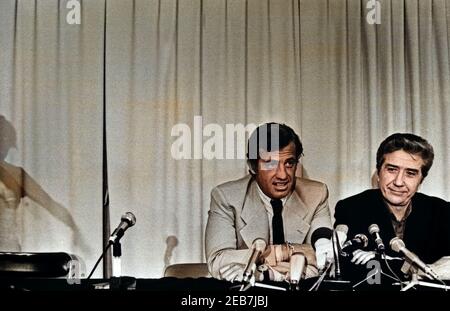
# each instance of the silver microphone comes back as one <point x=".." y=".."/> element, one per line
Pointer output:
<point x="258" y="246"/>
<point x="341" y="232"/>
<point x="297" y="266"/>
<point x="374" y="230"/>
<point x="128" y="220"/>
<point x="397" y="245"/>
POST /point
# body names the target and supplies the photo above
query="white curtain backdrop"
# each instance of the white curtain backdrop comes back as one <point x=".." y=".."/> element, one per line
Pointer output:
<point x="316" y="65"/>
<point x="51" y="93"/>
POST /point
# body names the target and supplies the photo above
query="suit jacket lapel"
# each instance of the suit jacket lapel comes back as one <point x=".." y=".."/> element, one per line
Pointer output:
<point x="295" y="227"/>
<point x="254" y="216"/>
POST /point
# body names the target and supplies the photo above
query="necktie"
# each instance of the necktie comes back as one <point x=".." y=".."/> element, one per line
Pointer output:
<point x="277" y="221"/>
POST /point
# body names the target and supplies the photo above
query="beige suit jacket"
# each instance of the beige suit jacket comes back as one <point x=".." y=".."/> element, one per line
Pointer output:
<point x="237" y="217"/>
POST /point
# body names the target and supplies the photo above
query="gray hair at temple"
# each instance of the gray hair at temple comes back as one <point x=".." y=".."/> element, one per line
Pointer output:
<point x="409" y="143"/>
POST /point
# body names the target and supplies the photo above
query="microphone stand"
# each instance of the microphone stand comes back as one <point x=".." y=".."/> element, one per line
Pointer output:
<point x="251" y="283"/>
<point x="380" y="255"/>
<point x="415" y="279"/>
<point x="332" y="265"/>
<point x="116" y="263"/>
<point x="116" y="266"/>
<point x="119" y="282"/>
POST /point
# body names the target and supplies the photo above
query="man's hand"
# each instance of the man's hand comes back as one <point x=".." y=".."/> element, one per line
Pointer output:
<point x="235" y="272"/>
<point x="440" y="267"/>
<point x="232" y="272"/>
<point x="361" y="257"/>
<point x="324" y="252"/>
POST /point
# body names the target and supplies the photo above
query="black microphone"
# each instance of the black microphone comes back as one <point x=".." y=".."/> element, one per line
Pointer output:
<point x="321" y="233"/>
<point x="127" y="220"/>
<point x="360" y="241"/>
<point x="258" y="246"/>
<point x="398" y="246"/>
<point x="374" y="230"/>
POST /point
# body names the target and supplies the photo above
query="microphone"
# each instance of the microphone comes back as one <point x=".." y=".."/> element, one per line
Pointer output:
<point x="398" y="246"/>
<point x="321" y="233"/>
<point x="339" y="235"/>
<point x="358" y="242"/>
<point x="171" y="243"/>
<point x="374" y="230"/>
<point x="297" y="266"/>
<point x="128" y="220"/>
<point x="258" y="246"/>
<point x="341" y="232"/>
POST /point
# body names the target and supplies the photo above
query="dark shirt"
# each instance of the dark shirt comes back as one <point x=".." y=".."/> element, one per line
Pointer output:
<point x="399" y="225"/>
<point x="426" y="230"/>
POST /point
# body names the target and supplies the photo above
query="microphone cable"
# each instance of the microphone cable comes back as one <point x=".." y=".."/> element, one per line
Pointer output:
<point x="392" y="271"/>
<point x="98" y="260"/>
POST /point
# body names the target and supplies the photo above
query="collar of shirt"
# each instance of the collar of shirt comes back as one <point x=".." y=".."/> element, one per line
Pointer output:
<point x="407" y="212"/>
<point x="399" y="225"/>
<point x="266" y="200"/>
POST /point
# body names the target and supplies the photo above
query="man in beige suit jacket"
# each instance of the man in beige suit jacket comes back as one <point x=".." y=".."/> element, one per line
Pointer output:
<point x="241" y="210"/>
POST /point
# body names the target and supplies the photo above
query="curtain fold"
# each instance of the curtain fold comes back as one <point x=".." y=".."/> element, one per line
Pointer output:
<point x="50" y="95"/>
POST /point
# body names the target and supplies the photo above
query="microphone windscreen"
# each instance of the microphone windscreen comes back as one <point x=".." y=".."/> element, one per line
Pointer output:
<point x="297" y="265"/>
<point x="171" y="241"/>
<point x="342" y="228"/>
<point x="319" y="233"/>
<point x="259" y="244"/>
<point x="373" y="228"/>
<point x="396" y="244"/>
<point x="363" y="238"/>
<point x="130" y="218"/>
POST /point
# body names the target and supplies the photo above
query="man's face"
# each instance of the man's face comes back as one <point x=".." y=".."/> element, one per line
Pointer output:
<point x="399" y="177"/>
<point x="276" y="172"/>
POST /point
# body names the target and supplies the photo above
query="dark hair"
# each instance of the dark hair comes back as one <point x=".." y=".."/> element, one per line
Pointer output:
<point x="410" y="143"/>
<point x="271" y="137"/>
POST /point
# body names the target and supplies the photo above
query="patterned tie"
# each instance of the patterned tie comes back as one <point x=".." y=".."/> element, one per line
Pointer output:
<point x="277" y="221"/>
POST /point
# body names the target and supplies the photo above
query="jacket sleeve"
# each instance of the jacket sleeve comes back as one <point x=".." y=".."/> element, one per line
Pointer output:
<point x="322" y="217"/>
<point x="220" y="237"/>
<point x="340" y="214"/>
<point x="446" y="228"/>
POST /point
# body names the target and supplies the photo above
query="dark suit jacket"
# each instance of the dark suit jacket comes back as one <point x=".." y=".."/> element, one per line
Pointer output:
<point x="427" y="228"/>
